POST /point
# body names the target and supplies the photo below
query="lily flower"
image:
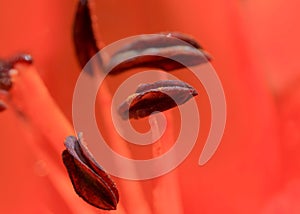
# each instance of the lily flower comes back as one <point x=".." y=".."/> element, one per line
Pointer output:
<point x="254" y="47"/>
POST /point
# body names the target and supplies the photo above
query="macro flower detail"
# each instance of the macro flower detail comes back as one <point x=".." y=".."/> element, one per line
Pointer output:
<point x="89" y="180"/>
<point x="255" y="47"/>
<point x="158" y="96"/>
<point x="83" y="37"/>
<point x="6" y="67"/>
<point x="6" y="73"/>
<point x="163" y="51"/>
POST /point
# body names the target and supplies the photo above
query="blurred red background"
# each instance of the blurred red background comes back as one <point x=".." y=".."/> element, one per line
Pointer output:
<point x="255" y="47"/>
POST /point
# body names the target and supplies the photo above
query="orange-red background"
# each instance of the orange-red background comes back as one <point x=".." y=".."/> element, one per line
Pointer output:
<point x="255" y="46"/>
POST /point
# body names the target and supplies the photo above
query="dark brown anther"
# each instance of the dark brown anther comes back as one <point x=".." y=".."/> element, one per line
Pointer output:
<point x="83" y="36"/>
<point x="184" y="37"/>
<point x="156" y="97"/>
<point x="163" y="51"/>
<point x="158" y="41"/>
<point x="7" y="65"/>
<point x="5" y="79"/>
<point x="89" y="179"/>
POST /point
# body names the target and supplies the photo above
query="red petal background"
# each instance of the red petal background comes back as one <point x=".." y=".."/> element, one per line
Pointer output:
<point x="255" y="48"/>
